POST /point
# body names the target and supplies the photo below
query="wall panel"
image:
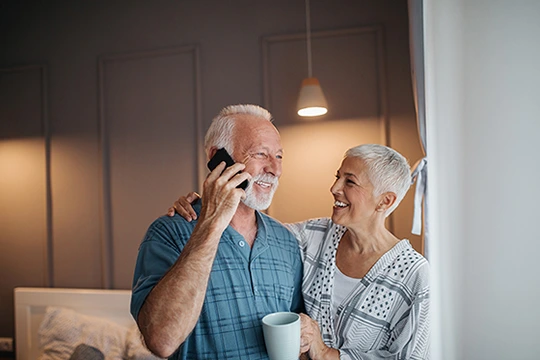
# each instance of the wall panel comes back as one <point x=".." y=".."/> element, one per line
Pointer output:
<point x="150" y="120"/>
<point x="25" y="232"/>
<point x="350" y="65"/>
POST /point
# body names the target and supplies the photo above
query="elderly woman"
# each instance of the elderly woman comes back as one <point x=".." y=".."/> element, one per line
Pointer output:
<point x="366" y="291"/>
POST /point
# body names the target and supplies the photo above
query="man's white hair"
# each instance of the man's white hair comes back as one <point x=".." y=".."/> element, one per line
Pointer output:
<point x="220" y="133"/>
<point x="387" y="170"/>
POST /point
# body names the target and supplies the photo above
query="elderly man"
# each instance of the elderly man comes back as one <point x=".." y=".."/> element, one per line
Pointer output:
<point x="200" y="288"/>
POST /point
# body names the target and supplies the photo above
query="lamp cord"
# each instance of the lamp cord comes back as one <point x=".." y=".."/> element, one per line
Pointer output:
<point x="308" y="39"/>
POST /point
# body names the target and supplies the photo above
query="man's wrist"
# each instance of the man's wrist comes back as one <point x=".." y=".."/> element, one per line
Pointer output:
<point x="209" y="226"/>
<point x="324" y="352"/>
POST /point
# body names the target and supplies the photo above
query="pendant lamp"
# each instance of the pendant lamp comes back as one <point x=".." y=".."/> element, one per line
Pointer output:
<point x="311" y="101"/>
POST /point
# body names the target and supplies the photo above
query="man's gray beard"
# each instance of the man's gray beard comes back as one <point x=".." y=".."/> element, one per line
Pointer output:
<point x="264" y="200"/>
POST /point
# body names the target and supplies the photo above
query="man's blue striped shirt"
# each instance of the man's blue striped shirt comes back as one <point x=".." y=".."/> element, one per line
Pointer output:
<point x="245" y="284"/>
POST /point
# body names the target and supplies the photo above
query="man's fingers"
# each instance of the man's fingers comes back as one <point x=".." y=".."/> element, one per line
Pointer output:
<point x="306" y="333"/>
<point x="304" y="343"/>
<point x="214" y="174"/>
<point x="240" y="178"/>
<point x="221" y="176"/>
<point x="304" y="320"/>
<point x="220" y="193"/>
<point x="231" y="177"/>
<point x="232" y="170"/>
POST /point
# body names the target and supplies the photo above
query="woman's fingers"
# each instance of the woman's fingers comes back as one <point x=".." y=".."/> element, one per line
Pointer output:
<point x="192" y="196"/>
<point x="184" y="207"/>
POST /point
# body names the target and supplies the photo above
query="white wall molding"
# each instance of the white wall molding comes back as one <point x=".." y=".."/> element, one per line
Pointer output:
<point x="48" y="271"/>
<point x="371" y="37"/>
<point x="377" y="30"/>
<point x="106" y="196"/>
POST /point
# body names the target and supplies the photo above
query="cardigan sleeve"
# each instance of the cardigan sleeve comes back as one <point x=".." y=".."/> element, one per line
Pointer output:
<point x="411" y="336"/>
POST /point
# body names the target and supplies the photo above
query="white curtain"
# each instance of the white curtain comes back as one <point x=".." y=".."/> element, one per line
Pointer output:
<point x="420" y="169"/>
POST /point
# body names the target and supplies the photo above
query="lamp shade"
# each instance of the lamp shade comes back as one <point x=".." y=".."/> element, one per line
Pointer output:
<point x="311" y="101"/>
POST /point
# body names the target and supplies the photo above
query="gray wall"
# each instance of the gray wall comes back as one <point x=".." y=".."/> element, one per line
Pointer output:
<point x="103" y="105"/>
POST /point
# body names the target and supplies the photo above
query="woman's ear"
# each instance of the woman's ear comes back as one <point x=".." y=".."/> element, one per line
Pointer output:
<point x="387" y="200"/>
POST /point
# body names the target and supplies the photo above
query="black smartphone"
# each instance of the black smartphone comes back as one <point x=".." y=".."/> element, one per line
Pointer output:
<point x="223" y="155"/>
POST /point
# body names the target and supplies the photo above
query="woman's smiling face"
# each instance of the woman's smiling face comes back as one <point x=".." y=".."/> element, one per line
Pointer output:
<point x="354" y="203"/>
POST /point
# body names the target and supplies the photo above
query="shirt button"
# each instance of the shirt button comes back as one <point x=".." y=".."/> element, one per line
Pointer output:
<point x="241" y="243"/>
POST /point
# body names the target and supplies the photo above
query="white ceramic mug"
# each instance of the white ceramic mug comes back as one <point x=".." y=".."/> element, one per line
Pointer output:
<point x="282" y="335"/>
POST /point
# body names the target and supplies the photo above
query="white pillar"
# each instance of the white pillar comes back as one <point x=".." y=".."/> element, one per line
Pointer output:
<point x="483" y="127"/>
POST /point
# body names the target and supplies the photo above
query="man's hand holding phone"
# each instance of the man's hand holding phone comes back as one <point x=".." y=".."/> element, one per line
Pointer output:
<point x="221" y="194"/>
<point x="223" y="155"/>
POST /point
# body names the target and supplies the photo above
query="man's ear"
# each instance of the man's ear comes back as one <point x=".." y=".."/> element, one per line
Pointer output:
<point x="212" y="152"/>
<point x="387" y="200"/>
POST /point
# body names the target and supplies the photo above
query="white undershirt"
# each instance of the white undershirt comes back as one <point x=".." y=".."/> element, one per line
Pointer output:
<point x="343" y="285"/>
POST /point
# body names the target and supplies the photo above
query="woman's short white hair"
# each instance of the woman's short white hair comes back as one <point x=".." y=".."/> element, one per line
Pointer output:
<point x="220" y="133"/>
<point x="388" y="170"/>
